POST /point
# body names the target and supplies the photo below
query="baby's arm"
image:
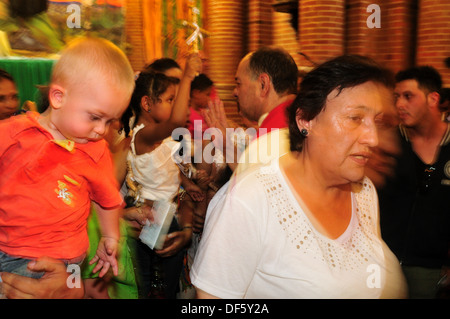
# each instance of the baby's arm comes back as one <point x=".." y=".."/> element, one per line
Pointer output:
<point x="107" y="247"/>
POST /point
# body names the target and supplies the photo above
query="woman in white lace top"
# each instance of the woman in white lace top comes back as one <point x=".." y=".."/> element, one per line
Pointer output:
<point x="306" y="224"/>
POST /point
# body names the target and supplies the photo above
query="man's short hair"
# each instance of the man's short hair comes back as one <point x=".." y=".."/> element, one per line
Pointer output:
<point x="279" y="65"/>
<point x="427" y="77"/>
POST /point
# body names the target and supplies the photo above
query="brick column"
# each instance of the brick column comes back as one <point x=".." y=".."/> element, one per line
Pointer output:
<point x="225" y="47"/>
<point x="321" y="29"/>
<point x="397" y="39"/>
<point x="393" y="43"/>
<point x="285" y="33"/>
<point x="359" y="38"/>
<point x="433" y="36"/>
<point x="259" y="24"/>
<point x="134" y="34"/>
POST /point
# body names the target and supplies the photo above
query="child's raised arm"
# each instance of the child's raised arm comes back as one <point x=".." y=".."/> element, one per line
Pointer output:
<point x="180" y="109"/>
<point x="181" y="104"/>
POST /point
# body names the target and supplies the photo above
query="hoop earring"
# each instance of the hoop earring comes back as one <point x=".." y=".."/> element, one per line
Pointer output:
<point x="304" y="132"/>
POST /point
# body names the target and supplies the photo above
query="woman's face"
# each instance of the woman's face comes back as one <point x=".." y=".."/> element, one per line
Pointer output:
<point x="341" y="136"/>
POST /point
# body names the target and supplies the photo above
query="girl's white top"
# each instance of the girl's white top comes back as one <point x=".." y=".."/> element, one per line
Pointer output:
<point x="156" y="171"/>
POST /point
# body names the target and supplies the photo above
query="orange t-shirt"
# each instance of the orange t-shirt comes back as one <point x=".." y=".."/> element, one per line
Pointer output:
<point x="46" y="189"/>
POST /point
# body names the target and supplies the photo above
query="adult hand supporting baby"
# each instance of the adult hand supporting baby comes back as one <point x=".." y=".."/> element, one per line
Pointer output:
<point x="52" y="285"/>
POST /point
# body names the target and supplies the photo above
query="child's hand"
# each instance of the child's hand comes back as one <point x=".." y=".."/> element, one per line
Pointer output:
<point x="193" y="66"/>
<point x="106" y="256"/>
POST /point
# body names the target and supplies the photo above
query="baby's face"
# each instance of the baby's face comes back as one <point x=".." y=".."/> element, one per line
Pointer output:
<point x="86" y="115"/>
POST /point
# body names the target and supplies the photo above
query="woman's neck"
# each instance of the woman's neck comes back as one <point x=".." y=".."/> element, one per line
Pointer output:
<point x="327" y="206"/>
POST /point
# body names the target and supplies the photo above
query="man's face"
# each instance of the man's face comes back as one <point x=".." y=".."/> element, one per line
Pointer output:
<point x="411" y="102"/>
<point x="246" y="92"/>
<point x="9" y="99"/>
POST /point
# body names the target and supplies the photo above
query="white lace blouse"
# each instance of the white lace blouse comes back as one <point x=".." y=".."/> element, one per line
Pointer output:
<point x="258" y="243"/>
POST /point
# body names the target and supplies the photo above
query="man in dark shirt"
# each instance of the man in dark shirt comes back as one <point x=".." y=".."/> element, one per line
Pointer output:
<point x="414" y="203"/>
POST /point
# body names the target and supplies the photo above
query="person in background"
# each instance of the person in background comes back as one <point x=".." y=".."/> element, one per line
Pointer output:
<point x="414" y="210"/>
<point x="168" y="66"/>
<point x="266" y="84"/>
<point x="157" y="109"/>
<point x="305" y="225"/>
<point x="201" y="89"/>
<point x="9" y="96"/>
<point x="444" y="103"/>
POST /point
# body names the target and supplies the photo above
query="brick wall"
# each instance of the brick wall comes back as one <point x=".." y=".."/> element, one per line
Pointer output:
<point x="393" y="43"/>
<point x="433" y="35"/>
<point x="286" y="36"/>
<point x="321" y="28"/>
<point x="226" y="47"/>
<point x="412" y="32"/>
<point x="260" y="24"/>
<point x="396" y="40"/>
<point x="134" y="34"/>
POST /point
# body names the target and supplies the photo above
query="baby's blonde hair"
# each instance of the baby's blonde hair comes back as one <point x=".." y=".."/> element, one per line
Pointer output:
<point x="88" y="58"/>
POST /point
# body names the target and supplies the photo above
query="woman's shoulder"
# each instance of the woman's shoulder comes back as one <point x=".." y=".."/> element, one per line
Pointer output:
<point x="256" y="177"/>
<point x="367" y="201"/>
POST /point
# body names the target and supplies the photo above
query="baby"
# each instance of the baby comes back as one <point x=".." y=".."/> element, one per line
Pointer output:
<point x="54" y="165"/>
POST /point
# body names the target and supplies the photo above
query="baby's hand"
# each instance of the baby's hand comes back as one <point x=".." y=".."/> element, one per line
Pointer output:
<point x="105" y="256"/>
<point x="193" y="66"/>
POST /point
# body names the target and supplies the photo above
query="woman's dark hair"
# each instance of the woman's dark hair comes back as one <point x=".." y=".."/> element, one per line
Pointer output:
<point x="339" y="73"/>
<point x="149" y="84"/>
